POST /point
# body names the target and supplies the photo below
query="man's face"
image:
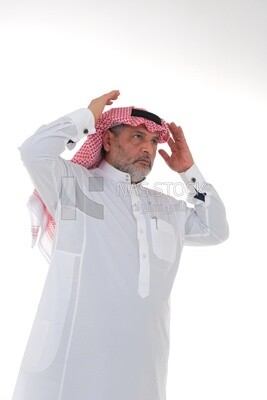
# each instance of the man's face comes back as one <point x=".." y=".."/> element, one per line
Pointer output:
<point x="133" y="151"/>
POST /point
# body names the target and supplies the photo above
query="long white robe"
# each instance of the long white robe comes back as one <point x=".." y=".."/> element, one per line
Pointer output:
<point x="102" y="327"/>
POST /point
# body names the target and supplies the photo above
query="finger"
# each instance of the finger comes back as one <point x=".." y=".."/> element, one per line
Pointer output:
<point x="171" y="143"/>
<point x="176" y="131"/>
<point x="164" y="155"/>
<point x="173" y="127"/>
<point x="179" y="138"/>
<point x="113" y="95"/>
<point x="108" y="97"/>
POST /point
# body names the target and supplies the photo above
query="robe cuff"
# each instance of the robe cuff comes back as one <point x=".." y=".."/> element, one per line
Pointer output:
<point x="84" y="122"/>
<point x="195" y="181"/>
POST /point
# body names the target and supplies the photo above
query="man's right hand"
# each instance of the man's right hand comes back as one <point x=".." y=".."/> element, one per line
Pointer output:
<point x="97" y="105"/>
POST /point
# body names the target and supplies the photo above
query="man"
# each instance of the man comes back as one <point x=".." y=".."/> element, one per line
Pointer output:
<point x="102" y="327"/>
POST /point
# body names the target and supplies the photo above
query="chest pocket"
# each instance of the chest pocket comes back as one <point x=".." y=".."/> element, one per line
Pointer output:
<point x="163" y="239"/>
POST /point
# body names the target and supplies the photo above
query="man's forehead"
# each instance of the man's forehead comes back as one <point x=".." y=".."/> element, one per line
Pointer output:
<point x="142" y="128"/>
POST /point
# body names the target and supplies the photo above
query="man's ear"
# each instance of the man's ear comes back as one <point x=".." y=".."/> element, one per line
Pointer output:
<point x="107" y="140"/>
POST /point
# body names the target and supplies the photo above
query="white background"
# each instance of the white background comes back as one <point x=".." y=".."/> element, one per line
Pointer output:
<point x="199" y="63"/>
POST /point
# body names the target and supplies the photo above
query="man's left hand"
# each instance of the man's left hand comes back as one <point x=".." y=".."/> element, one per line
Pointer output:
<point x="181" y="158"/>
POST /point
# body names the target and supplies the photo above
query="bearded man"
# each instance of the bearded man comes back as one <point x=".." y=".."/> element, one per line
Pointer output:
<point x="101" y="330"/>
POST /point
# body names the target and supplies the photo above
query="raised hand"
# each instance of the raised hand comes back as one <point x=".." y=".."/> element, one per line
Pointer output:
<point x="97" y="105"/>
<point x="181" y="158"/>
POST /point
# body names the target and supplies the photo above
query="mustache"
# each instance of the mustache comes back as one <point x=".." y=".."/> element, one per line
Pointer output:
<point x="144" y="158"/>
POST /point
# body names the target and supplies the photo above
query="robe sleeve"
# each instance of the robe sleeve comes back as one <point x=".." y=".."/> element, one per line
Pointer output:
<point x="41" y="152"/>
<point x="205" y="222"/>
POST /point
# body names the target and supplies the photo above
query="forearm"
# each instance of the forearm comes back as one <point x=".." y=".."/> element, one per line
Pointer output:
<point x="41" y="153"/>
<point x="50" y="140"/>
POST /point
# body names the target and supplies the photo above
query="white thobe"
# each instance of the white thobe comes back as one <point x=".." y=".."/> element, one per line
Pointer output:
<point x="101" y="330"/>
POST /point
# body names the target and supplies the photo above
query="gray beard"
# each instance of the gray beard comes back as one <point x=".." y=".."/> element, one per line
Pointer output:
<point x="120" y="162"/>
<point x="136" y="175"/>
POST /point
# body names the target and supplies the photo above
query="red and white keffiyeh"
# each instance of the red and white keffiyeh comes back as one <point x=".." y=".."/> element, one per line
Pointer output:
<point x="90" y="156"/>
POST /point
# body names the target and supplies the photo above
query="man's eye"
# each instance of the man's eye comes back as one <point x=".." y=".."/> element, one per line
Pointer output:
<point x="138" y="136"/>
<point x="155" y="141"/>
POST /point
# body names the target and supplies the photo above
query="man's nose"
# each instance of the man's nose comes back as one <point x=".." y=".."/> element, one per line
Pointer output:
<point x="148" y="148"/>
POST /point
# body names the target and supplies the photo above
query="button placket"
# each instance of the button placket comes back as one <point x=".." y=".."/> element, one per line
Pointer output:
<point x="144" y="273"/>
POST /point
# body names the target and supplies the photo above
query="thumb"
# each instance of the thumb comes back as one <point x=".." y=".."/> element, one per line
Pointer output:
<point x="164" y="155"/>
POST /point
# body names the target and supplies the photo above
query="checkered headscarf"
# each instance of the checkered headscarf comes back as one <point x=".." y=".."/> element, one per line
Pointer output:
<point x="90" y="154"/>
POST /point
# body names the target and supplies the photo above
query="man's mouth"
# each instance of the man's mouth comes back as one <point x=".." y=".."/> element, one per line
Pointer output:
<point x="144" y="161"/>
